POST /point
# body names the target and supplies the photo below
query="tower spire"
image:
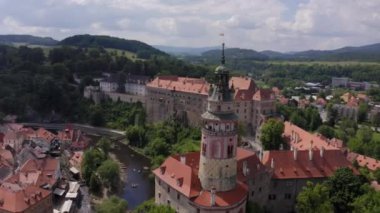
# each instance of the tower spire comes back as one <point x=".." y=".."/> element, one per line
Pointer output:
<point x="223" y="57"/>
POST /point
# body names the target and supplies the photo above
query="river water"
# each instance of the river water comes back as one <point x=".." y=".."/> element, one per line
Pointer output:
<point x="134" y="174"/>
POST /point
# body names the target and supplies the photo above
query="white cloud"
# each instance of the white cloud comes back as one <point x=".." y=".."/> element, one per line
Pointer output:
<point x="271" y="24"/>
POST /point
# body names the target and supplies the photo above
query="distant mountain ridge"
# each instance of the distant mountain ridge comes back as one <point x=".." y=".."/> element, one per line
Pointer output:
<point x="27" y="39"/>
<point x="143" y="50"/>
<point x="362" y="53"/>
<point x="236" y="53"/>
<point x="197" y="51"/>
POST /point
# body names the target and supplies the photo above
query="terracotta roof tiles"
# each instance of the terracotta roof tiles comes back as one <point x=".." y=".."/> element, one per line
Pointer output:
<point x="364" y="161"/>
<point x="303" y="140"/>
<point x="285" y="166"/>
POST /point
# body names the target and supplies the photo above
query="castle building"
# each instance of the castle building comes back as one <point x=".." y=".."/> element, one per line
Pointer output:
<point x="189" y="97"/>
<point x="222" y="177"/>
<point x="208" y="181"/>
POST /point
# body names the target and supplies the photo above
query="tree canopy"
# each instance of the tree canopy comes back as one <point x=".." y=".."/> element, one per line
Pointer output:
<point x="271" y="134"/>
<point x="113" y="204"/>
<point x="314" y="199"/>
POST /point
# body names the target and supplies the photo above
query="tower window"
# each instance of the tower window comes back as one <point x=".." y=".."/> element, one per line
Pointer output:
<point x="230" y="149"/>
<point x="204" y="149"/>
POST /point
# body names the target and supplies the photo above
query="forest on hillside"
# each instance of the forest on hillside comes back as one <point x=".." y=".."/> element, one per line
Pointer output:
<point x="39" y="85"/>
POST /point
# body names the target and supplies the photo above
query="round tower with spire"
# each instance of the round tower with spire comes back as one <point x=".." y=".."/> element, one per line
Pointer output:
<point x="218" y="164"/>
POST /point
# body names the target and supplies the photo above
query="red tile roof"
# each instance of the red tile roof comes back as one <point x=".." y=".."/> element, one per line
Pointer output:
<point x="302" y="139"/>
<point x="223" y="199"/>
<point x="45" y="171"/>
<point x="364" y="161"/>
<point x="45" y="134"/>
<point x="286" y="167"/>
<point x="242" y="83"/>
<point x="263" y="95"/>
<point x="244" y="87"/>
<point x="184" y="177"/>
<point x="16" y="199"/>
<point x="181" y="84"/>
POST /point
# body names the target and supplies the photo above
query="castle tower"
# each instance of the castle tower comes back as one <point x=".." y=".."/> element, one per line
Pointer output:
<point x="218" y="164"/>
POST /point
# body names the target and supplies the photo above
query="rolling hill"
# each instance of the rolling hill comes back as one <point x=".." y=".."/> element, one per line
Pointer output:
<point x="141" y="49"/>
<point x="27" y="40"/>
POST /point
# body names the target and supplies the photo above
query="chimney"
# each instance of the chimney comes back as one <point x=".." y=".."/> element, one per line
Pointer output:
<point x="212" y="201"/>
<point x="322" y="152"/>
<point x="183" y="159"/>
<point x="310" y="153"/>
<point x="295" y="153"/>
<point x="272" y="163"/>
<point x="162" y="169"/>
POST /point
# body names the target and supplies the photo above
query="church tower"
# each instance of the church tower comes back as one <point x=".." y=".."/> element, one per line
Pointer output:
<point x="218" y="164"/>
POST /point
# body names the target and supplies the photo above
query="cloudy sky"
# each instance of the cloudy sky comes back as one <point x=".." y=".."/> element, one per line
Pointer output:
<point x="284" y="25"/>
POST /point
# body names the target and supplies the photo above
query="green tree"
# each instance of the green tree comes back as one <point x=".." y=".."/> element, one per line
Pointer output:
<point x="104" y="144"/>
<point x="344" y="186"/>
<point x="136" y="135"/>
<point x="97" y="116"/>
<point x="364" y="134"/>
<point x="326" y="131"/>
<point x="92" y="159"/>
<point x="150" y="207"/>
<point x="368" y="202"/>
<point x="109" y="174"/>
<point x="157" y="147"/>
<point x="271" y="134"/>
<point x="95" y="185"/>
<point x="113" y="204"/>
<point x="376" y="120"/>
<point x="314" y="199"/>
<point x="362" y="112"/>
<point x="297" y="119"/>
<point x="313" y="118"/>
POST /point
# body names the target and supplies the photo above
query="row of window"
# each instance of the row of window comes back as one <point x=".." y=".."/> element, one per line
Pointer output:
<point x="287" y="196"/>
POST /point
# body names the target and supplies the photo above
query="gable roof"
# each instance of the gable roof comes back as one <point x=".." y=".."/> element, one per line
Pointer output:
<point x="16" y="199"/>
<point x="285" y="166"/>
<point x="302" y="140"/>
<point x="183" y="177"/>
<point x="181" y="84"/>
<point x="263" y="95"/>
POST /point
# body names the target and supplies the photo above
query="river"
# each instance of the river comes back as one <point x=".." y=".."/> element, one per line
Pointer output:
<point x="133" y="164"/>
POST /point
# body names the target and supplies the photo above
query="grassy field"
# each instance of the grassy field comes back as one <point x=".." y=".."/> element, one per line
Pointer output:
<point x="130" y="55"/>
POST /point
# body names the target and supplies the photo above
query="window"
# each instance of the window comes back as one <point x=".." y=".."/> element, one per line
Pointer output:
<point x="159" y="195"/>
<point x="168" y="202"/>
<point x="260" y="189"/>
<point x="168" y="189"/>
<point x="178" y="196"/>
<point x="159" y="182"/>
<point x="230" y="149"/>
<point x="204" y="149"/>
<point x="219" y="108"/>
<point x="288" y="196"/>
<point x="252" y="193"/>
<point x="272" y="197"/>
